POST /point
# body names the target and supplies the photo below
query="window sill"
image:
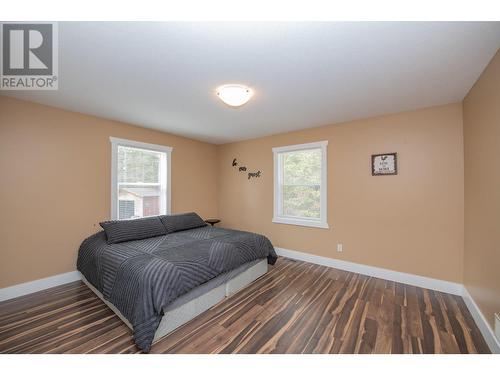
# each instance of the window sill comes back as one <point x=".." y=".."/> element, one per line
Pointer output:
<point x="302" y="223"/>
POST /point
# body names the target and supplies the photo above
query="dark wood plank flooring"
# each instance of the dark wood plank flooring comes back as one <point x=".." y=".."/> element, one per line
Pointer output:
<point x="296" y="307"/>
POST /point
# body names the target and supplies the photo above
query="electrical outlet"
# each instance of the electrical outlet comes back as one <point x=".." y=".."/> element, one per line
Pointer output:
<point x="497" y="326"/>
<point x="340" y="247"/>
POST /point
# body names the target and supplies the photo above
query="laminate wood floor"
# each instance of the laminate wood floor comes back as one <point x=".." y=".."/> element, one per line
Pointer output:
<point x="297" y="307"/>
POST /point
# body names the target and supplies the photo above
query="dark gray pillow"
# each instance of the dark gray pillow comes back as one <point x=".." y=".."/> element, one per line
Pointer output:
<point x="176" y="223"/>
<point x="136" y="229"/>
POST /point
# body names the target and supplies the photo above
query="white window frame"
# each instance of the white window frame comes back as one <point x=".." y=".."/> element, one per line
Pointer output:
<point x="322" y="222"/>
<point x="165" y="198"/>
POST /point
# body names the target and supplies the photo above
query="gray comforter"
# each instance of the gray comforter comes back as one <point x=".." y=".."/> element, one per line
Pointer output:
<point x="142" y="277"/>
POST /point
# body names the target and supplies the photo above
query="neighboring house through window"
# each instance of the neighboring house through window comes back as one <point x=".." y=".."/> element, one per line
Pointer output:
<point x="300" y="184"/>
<point x="140" y="179"/>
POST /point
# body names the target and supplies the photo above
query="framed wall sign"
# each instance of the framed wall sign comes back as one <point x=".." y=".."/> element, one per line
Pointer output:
<point x="385" y="164"/>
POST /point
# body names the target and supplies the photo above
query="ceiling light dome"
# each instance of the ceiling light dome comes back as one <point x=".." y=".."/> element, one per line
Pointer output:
<point x="234" y="95"/>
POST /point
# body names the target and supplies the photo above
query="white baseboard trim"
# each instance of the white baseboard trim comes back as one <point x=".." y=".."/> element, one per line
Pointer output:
<point x="482" y="323"/>
<point x="382" y="273"/>
<point x="38" y="285"/>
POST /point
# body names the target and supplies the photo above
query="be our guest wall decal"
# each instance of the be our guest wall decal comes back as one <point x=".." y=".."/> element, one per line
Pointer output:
<point x="242" y="168"/>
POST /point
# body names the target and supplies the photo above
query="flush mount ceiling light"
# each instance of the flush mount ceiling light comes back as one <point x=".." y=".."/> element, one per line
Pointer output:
<point x="234" y="95"/>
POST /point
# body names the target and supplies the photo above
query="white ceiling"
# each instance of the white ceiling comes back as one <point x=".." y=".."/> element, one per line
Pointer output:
<point x="163" y="75"/>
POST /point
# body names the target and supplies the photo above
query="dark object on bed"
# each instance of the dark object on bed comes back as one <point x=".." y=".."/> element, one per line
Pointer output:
<point x="142" y="277"/>
<point x="176" y="223"/>
<point x="136" y="229"/>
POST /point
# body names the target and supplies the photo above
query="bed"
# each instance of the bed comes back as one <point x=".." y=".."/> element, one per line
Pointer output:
<point x="158" y="273"/>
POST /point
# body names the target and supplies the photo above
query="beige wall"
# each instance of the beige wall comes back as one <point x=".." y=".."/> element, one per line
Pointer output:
<point x="412" y="222"/>
<point x="482" y="190"/>
<point x="55" y="183"/>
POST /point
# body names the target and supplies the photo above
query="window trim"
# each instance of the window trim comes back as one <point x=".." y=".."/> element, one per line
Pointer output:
<point x="115" y="142"/>
<point x="322" y="222"/>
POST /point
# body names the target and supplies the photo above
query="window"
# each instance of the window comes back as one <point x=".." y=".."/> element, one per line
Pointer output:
<point x="300" y="184"/>
<point x="140" y="179"/>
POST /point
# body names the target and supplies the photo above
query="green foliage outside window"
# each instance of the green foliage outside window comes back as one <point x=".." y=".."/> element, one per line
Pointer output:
<point x="301" y="183"/>
<point x="136" y="165"/>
